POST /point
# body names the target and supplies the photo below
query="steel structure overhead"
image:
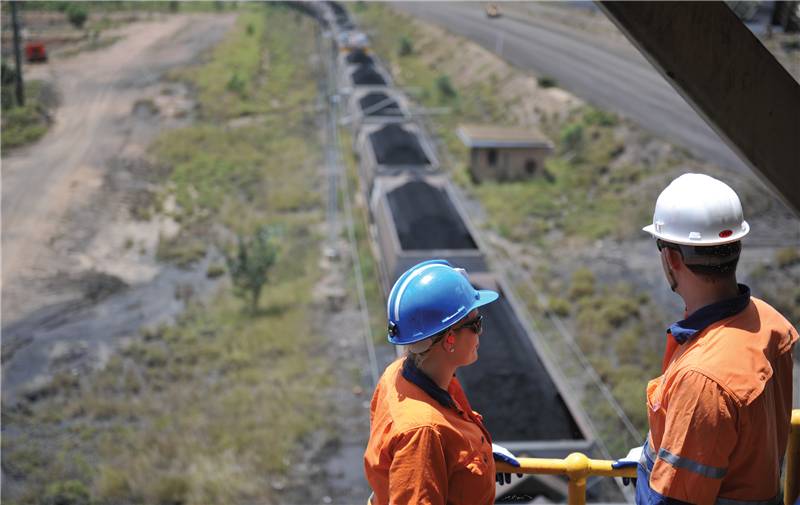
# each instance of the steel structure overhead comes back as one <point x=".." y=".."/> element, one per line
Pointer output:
<point x="722" y="70"/>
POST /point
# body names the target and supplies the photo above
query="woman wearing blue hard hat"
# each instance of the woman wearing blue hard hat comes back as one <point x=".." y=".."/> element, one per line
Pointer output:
<point x="427" y="445"/>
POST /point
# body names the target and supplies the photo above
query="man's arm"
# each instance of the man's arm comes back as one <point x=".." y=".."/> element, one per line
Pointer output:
<point x="699" y="436"/>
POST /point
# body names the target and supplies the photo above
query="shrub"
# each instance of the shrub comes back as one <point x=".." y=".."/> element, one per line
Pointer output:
<point x="595" y="116"/>
<point x="572" y="137"/>
<point x="180" y="250"/>
<point x="77" y="15"/>
<point x="582" y="284"/>
<point x="250" y="266"/>
<point x="236" y="84"/>
<point x="69" y="492"/>
<point x="787" y="257"/>
<point x="445" y="87"/>
<point x="406" y="46"/>
<point x="547" y="82"/>
<point x="214" y="270"/>
<point x="559" y="306"/>
<point x="9" y="74"/>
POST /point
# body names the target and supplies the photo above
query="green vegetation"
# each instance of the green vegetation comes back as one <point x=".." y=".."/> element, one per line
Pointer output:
<point x="445" y="87"/>
<point x="250" y="265"/>
<point x="26" y="124"/>
<point x="406" y="46"/>
<point x="788" y="256"/>
<point x="182" y="250"/>
<point x="77" y="14"/>
<point x="547" y="82"/>
<point x="214" y="407"/>
<point x="128" y="5"/>
<point x="369" y="267"/>
<point x="572" y="138"/>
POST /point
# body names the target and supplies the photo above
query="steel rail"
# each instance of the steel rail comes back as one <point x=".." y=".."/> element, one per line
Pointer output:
<point x="337" y="174"/>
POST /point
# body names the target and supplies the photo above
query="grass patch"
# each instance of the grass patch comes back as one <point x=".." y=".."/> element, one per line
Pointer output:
<point x="369" y="265"/>
<point x="26" y="124"/>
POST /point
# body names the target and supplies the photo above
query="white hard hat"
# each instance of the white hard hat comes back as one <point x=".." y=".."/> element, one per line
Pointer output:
<point x="696" y="209"/>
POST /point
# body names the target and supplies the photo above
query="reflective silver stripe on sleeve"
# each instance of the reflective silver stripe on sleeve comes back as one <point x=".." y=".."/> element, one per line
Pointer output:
<point x="712" y="472"/>
<point x="727" y="501"/>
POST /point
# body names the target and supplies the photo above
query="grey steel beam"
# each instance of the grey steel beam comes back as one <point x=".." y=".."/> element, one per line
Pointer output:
<point x="724" y="72"/>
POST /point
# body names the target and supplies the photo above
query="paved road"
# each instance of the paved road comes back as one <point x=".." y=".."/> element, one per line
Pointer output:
<point x="614" y="78"/>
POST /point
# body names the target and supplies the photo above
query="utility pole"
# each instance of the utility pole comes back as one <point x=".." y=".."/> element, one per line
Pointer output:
<point x="17" y="56"/>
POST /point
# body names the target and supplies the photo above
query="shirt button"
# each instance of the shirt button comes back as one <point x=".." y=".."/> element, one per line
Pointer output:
<point x="485" y="459"/>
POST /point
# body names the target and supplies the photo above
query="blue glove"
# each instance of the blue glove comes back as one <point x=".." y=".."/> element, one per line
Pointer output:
<point x="631" y="459"/>
<point x="500" y="453"/>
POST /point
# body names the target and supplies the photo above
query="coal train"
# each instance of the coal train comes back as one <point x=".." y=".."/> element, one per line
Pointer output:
<point x="416" y="215"/>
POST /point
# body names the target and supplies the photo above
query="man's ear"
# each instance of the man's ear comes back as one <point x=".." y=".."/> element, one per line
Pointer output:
<point x="674" y="259"/>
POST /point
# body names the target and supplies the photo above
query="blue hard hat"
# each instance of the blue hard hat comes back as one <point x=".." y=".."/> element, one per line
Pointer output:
<point x="429" y="298"/>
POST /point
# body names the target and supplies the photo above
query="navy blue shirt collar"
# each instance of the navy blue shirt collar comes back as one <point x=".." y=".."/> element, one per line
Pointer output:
<point x="415" y="376"/>
<point x="702" y="318"/>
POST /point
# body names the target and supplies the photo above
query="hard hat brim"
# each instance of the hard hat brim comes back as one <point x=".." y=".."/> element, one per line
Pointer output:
<point x="745" y="229"/>
<point x="485" y="297"/>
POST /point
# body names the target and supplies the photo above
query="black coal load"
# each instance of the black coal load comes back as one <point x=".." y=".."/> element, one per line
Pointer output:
<point x="426" y="219"/>
<point x="393" y="146"/>
<point x="379" y="104"/>
<point x="359" y="57"/>
<point x="509" y="385"/>
<point x="366" y="75"/>
<point x="338" y="10"/>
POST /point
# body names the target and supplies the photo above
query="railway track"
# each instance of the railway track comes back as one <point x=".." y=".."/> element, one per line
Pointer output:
<point x="416" y="214"/>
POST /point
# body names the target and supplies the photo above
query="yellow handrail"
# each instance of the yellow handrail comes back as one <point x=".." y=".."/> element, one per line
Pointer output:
<point x="578" y="467"/>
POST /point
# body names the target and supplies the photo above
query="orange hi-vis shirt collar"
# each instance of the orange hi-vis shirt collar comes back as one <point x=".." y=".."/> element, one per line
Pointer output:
<point x="421" y="451"/>
<point x="719" y="415"/>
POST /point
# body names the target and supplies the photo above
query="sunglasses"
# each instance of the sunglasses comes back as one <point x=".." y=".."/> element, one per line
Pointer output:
<point x="475" y="325"/>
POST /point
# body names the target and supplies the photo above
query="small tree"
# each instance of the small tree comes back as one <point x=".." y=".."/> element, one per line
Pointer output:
<point x="406" y="46"/>
<point x="77" y="15"/>
<point x="572" y="137"/>
<point x="250" y="266"/>
<point x="446" y="89"/>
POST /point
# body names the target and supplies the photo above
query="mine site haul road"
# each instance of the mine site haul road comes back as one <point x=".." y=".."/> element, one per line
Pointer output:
<point x="617" y="79"/>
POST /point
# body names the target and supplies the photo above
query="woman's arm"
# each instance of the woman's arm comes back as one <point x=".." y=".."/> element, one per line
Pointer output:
<point x="418" y="473"/>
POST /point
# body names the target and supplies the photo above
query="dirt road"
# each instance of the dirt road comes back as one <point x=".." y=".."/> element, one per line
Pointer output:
<point x="45" y="183"/>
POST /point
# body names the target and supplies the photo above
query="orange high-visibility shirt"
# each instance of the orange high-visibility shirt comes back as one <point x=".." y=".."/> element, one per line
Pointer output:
<point x="719" y="415"/>
<point x="423" y="452"/>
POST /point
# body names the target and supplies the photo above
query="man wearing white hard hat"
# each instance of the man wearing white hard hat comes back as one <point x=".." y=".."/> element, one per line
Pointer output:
<point x="719" y="414"/>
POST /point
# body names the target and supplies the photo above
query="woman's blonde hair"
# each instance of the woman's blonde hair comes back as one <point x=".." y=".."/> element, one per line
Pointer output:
<point x="418" y="351"/>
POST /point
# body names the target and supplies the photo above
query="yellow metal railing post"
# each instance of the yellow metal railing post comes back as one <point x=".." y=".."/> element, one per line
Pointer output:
<point x="792" y="485"/>
<point x="577" y="466"/>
